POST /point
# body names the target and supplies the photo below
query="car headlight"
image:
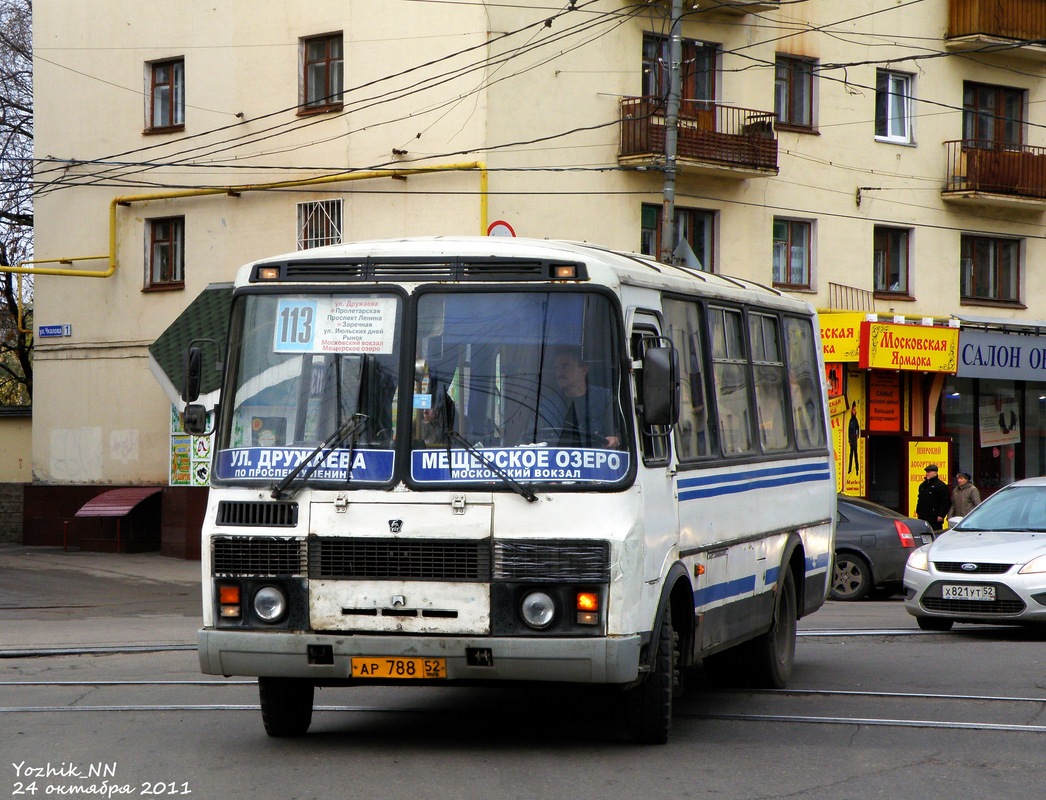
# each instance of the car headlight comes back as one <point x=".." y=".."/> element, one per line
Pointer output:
<point x="1033" y="566"/>
<point x="538" y="610"/>
<point x="919" y="560"/>
<point x="269" y="604"/>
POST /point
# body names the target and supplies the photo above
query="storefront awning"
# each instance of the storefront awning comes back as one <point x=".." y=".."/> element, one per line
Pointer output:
<point x="206" y="317"/>
<point x="1003" y="324"/>
<point x="117" y="502"/>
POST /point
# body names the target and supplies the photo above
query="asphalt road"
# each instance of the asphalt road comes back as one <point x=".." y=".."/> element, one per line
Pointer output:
<point x="100" y="690"/>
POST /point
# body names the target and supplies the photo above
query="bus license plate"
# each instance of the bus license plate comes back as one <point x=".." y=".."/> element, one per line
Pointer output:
<point x="399" y="668"/>
<point x="953" y="591"/>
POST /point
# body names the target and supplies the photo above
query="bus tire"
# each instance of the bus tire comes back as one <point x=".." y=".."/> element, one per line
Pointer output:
<point x="773" y="652"/>
<point x="286" y="705"/>
<point x="648" y="706"/>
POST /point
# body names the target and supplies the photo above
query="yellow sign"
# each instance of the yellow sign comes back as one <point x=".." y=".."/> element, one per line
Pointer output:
<point x="922" y="453"/>
<point x="841" y="335"/>
<point x="923" y="348"/>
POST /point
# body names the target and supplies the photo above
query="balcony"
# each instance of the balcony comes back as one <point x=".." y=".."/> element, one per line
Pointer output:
<point x="1014" y="27"/>
<point x="992" y="174"/>
<point x="731" y="7"/>
<point x="712" y="139"/>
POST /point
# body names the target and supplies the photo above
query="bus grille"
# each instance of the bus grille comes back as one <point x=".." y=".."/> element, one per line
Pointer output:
<point x="268" y="515"/>
<point x="400" y="559"/>
<point x="257" y="556"/>
<point x="566" y="561"/>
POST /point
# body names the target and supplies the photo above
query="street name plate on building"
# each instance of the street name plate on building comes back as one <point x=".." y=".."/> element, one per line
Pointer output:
<point x="53" y="331"/>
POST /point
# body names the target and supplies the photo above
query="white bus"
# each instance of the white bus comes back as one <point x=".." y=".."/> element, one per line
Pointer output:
<point x="484" y="459"/>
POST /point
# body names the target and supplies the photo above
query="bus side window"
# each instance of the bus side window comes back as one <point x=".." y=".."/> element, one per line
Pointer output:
<point x="684" y="322"/>
<point x="804" y="384"/>
<point x="730" y="374"/>
<point x="654" y="442"/>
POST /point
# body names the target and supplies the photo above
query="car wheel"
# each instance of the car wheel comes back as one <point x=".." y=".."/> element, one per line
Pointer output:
<point x="286" y="705"/>
<point x="648" y="706"/>
<point x="851" y="579"/>
<point x="935" y="623"/>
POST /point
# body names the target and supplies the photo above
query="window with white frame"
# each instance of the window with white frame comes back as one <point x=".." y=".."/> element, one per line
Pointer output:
<point x="321" y="72"/>
<point x="890" y="259"/>
<point x="990" y="268"/>
<point x="166" y="94"/>
<point x="792" y="257"/>
<point x="319" y="223"/>
<point x="893" y="106"/>
<point x="166" y="255"/>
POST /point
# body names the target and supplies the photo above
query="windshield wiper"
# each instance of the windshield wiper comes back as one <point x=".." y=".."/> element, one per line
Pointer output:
<point x="350" y="427"/>
<point x="523" y="491"/>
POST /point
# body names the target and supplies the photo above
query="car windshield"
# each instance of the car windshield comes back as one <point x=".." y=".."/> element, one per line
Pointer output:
<point x="1019" y="508"/>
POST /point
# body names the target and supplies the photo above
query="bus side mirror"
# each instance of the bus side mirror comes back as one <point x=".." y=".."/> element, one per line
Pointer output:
<point x="194" y="419"/>
<point x="660" y="386"/>
<point x="193" y="368"/>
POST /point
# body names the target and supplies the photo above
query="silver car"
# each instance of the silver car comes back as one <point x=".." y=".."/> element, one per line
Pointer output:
<point x="990" y="567"/>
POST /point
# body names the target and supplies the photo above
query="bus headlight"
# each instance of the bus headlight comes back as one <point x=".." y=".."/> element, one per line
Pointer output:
<point x="270" y="604"/>
<point x="538" y="610"/>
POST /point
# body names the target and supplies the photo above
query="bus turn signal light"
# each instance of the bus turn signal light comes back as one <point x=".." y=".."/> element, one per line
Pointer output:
<point x="229" y="600"/>
<point x="587" y="601"/>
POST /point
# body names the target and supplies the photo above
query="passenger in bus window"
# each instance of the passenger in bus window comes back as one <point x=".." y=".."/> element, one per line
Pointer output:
<point x="578" y="415"/>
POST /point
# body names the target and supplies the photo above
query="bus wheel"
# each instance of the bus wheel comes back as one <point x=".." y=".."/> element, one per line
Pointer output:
<point x="286" y="705"/>
<point x="648" y="706"/>
<point x="772" y="653"/>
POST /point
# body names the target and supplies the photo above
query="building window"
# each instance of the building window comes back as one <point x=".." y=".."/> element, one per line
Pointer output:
<point x="167" y="94"/>
<point x="992" y="116"/>
<point x="166" y="252"/>
<point x="990" y="268"/>
<point x="697" y="87"/>
<point x="693" y="225"/>
<point x="893" y="106"/>
<point x="319" y="224"/>
<point x="890" y="259"/>
<point x="792" y="240"/>
<point x="794" y="92"/>
<point x="322" y="73"/>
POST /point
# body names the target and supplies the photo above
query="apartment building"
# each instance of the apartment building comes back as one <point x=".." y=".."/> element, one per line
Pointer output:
<point x="885" y="161"/>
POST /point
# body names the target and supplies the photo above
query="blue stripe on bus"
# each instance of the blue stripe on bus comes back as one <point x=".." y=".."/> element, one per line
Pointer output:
<point x="740" y="586"/>
<point x="734" y="483"/>
<point x="722" y="591"/>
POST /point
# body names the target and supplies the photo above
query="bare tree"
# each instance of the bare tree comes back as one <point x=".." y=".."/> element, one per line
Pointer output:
<point x="16" y="199"/>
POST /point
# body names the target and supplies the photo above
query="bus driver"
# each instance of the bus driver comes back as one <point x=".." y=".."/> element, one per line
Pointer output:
<point x="579" y="414"/>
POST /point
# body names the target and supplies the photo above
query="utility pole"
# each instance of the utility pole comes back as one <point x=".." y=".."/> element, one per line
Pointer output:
<point x="675" y="57"/>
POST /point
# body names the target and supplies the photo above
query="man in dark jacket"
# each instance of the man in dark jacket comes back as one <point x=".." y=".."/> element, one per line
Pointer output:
<point x="934" y="499"/>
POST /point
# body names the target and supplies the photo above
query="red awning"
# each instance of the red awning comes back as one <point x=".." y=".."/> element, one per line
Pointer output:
<point x="117" y="502"/>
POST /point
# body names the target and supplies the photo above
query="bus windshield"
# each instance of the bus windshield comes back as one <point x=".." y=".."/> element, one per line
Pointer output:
<point x="508" y="386"/>
<point x="518" y="384"/>
<point x="314" y="380"/>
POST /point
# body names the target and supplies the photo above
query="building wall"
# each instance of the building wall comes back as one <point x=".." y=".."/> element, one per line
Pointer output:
<point x="542" y="115"/>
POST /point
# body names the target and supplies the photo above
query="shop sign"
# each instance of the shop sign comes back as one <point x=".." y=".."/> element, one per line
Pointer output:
<point x="1007" y="356"/>
<point x="885" y="403"/>
<point x="922" y="453"/>
<point x="841" y="335"/>
<point x="922" y="348"/>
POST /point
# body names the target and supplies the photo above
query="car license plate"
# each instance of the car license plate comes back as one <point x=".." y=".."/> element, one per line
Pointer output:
<point x="399" y="668"/>
<point x="951" y="591"/>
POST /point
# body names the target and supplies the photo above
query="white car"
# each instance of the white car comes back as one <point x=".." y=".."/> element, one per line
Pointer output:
<point x="990" y="567"/>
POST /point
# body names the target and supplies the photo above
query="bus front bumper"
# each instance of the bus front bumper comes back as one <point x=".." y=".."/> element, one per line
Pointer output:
<point x="328" y="657"/>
